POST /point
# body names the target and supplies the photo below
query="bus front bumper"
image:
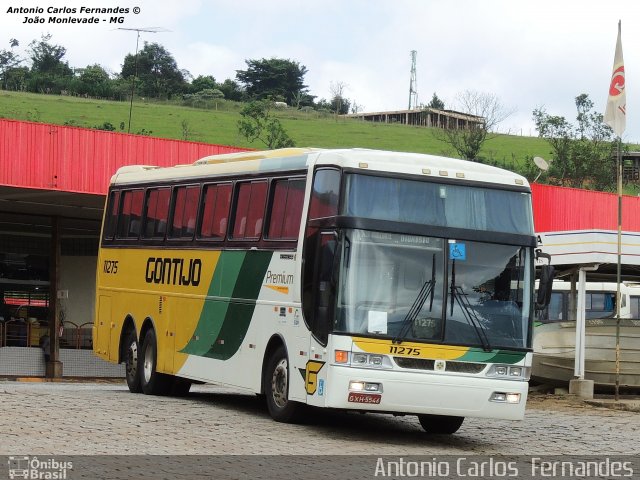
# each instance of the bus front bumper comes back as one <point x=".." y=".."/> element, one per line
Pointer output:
<point x="425" y="393"/>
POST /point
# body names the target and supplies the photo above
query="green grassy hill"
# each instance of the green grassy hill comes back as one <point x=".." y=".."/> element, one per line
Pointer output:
<point x="217" y="124"/>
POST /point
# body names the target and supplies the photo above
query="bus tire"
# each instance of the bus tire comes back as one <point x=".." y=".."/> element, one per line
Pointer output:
<point x="152" y="382"/>
<point x="440" y="424"/>
<point x="276" y="389"/>
<point x="131" y="362"/>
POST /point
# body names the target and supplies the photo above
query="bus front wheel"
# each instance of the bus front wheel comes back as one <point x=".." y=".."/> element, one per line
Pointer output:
<point x="440" y="424"/>
<point x="132" y="362"/>
<point x="152" y="382"/>
<point x="276" y="389"/>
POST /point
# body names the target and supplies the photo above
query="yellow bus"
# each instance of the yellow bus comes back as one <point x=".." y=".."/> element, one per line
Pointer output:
<point x="349" y="279"/>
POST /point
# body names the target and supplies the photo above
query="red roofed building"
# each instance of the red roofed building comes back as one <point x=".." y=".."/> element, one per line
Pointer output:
<point x="53" y="182"/>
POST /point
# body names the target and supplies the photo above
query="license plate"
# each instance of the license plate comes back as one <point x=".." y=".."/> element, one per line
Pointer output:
<point x="364" y="398"/>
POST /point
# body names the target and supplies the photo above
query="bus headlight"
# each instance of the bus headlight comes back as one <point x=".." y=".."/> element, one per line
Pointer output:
<point x="515" y="371"/>
<point x="375" y="360"/>
<point x="361" y="359"/>
<point x="509" y="372"/>
<point x="369" y="387"/>
<point x="504" y="397"/>
<point x="370" y="360"/>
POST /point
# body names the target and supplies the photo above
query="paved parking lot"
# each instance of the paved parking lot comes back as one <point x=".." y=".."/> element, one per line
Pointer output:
<point x="104" y="418"/>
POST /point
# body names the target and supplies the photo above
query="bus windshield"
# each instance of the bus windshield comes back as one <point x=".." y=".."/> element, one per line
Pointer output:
<point x="438" y="204"/>
<point x="434" y="290"/>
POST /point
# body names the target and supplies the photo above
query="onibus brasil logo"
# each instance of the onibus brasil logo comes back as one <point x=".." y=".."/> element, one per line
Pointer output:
<point x="38" y="469"/>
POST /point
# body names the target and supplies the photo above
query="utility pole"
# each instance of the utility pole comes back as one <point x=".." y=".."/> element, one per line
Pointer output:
<point x="135" y="68"/>
<point x="413" y="83"/>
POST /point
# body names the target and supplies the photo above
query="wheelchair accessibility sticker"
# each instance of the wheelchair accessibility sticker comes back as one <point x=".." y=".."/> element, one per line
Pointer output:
<point x="457" y="251"/>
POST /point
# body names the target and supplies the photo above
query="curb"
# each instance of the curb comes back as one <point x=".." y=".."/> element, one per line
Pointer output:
<point x="63" y="379"/>
<point x="624" y="406"/>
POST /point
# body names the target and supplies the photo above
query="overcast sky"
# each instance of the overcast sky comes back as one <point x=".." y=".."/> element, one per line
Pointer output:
<point x="530" y="53"/>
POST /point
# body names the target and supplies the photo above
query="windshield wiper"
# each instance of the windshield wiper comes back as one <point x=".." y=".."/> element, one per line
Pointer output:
<point x="426" y="291"/>
<point x="460" y="297"/>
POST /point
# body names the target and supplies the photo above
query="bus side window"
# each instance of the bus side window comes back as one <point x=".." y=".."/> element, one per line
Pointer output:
<point x="555" y="309"/>
<point x="325" y="194"/>
<point x="130" y="220"/>
<point x="215" y="211"/>
<point x="249" y="214"/>
<point x="287" y="197"/>
<point x="156" y="213"/>
<point x="635" y="306"/>
<point x="185" y="208"/>
<point x="600" y="304"/>
<point x="111" y="219"/>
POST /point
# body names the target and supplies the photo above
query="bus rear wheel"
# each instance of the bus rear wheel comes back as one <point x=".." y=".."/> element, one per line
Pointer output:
<point x="440" y="424"/>
<point x="152" y="382"/>
<point x="276" y="389"/>
<point x="132" y="362"/>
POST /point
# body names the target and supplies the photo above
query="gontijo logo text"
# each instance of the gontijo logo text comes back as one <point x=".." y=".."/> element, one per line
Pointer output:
<point x="173" y="271"/>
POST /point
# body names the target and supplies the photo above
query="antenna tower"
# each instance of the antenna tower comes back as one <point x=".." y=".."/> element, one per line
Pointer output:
<point x="135" y="75"/>
<point x="413" y="84"/>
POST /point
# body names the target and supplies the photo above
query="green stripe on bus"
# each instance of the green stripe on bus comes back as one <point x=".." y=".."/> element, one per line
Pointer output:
<point x="224" y="324"/>
<point x="494" y="356"/>
<point x="214" y="312"/>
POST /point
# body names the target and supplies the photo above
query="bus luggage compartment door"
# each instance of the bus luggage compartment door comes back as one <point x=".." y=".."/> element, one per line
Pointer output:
<point x="102" y="327"/>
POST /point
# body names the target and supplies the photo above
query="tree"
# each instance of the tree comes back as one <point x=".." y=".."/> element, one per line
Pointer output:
<point x="356" y="107"/>
<point x="95" y="82"/>
<point x="302" y="99"/>
<point x="16" y="78"/>
<point x="231" y="90"/>
<point x="488" y="112"/>
<point x="435" y="102"/>
<point x="271" y="78"/>
<point x="157" y="72"/>
<point x="258" y="124"/>
<point x="203" y="83"/>
<point x="46" y="58"/>
<point x="49" y="72"/>
<point x="8" y="60"/>
<point x="339" y="104"/>
<point x="583" y="154"/>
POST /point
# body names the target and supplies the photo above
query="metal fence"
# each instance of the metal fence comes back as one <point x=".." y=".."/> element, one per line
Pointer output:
<point x="21" y="333"/>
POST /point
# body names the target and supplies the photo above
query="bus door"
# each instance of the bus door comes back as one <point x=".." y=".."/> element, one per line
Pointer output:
<point x="322" y="312"/>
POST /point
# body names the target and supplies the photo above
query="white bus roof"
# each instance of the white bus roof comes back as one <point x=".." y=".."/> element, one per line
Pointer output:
<point x="302" y="158"/>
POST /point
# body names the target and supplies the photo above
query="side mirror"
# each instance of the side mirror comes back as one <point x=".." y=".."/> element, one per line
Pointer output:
<point x="547" y="272"/>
